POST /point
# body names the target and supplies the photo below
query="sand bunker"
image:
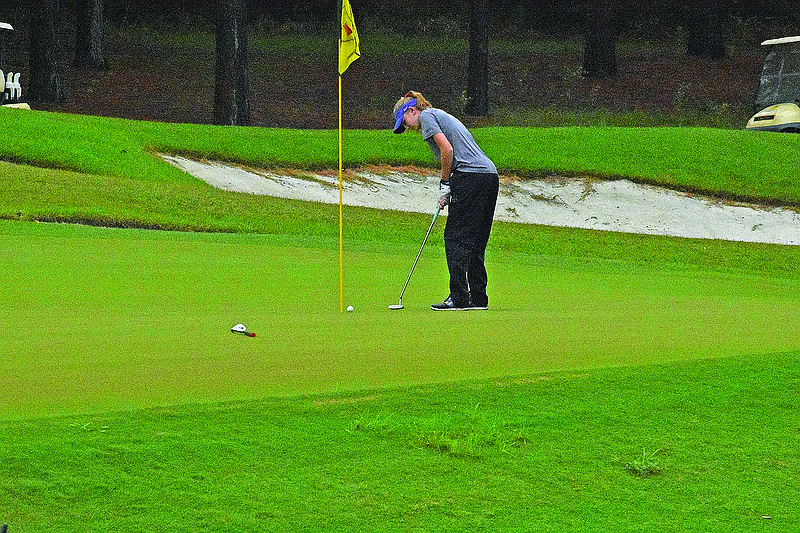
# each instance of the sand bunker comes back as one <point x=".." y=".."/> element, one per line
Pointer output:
<point x="618" y="205"/>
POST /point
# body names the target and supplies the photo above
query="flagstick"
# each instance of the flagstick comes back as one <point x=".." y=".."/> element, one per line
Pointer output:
<point x="341" y="244"/>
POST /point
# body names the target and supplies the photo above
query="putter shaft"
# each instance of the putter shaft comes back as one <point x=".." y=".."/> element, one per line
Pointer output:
<point x="435" y="216"/>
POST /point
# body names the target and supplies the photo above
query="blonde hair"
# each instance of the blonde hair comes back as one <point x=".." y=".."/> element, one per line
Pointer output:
<point x="421" y="105"/>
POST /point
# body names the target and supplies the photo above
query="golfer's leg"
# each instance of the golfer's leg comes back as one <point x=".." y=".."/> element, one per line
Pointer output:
<point x="457" y="249"/>
<point x="476" y="272"/>
<point x="477" y="279"/>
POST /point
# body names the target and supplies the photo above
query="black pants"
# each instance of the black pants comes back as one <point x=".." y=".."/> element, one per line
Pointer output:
<point x="469" y="223"/>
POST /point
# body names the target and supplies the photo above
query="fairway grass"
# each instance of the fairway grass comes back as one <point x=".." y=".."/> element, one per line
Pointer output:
<point x="108" y="319"/>
<point x="546" y="452"/>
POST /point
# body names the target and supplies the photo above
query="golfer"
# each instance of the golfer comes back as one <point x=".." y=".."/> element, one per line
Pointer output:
<point x="469" y="185"/>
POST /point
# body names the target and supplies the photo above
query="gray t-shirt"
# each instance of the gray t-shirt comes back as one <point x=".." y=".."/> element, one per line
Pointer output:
<point x="467" y="156"/>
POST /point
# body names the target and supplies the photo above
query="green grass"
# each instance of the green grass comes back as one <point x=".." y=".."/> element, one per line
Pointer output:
<point x="726" y="163"/>
<point x="546" y="452"/>
<point x="111" y="319"/>
<point x="60" y="196"/>
<point x="127" y="405"/>
<point x="105" y="174"/>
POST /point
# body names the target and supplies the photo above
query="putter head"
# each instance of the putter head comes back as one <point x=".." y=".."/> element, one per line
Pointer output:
<point x="396" y="306"/>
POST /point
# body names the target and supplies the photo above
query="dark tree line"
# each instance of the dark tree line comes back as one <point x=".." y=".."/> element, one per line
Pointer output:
<point x="45" y="85"/>
<point x="539" y="15"/>
<point x="703" y="22"/>
<point x="702" y="19"/>
<point x="231" y="90"/>
<point x="601" y="20"/>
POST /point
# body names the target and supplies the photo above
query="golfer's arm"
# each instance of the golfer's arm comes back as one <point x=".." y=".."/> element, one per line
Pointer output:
<point x="446" y="150"/>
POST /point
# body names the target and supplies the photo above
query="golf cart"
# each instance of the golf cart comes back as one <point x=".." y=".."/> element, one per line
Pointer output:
<point x="10" y="87"/>
<point x="779" y="90"/>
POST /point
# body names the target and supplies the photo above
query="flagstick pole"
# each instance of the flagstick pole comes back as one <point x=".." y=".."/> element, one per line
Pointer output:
<point x="341" y="243"/>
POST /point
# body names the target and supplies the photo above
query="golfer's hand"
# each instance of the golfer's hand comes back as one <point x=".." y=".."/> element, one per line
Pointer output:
<point x="444" y="193"/>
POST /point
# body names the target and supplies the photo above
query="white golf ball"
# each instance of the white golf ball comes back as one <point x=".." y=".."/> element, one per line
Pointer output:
<point x="349" y="308"/>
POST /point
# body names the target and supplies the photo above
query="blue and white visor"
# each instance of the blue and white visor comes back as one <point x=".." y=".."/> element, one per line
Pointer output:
<point x="398" y="123"/>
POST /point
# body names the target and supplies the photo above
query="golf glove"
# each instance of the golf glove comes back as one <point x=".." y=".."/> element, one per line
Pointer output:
<point x="444" y="193"/>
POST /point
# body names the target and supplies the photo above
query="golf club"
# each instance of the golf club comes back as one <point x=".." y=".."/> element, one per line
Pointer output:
<point x="399" y="305"/>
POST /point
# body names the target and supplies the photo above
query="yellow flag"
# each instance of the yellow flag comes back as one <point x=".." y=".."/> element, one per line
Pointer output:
<point x="348" y="42"/>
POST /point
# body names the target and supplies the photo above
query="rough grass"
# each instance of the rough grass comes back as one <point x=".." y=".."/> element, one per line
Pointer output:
<point x="725" y="163"/>
<point x="545" y="452"/>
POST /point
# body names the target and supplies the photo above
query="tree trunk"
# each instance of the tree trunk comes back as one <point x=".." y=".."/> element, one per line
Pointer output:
<point x="90" y="37"/>
<point x="600" y="49"/>
<point x="704" y="28"/>
<point x="242" y="77"/>
<point x="231" y="90"/>
<point x="45" y="76"/>
<point x="478" y="70"/>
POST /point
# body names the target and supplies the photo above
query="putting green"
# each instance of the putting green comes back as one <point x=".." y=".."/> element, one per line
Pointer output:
<point x="105" y="319"/>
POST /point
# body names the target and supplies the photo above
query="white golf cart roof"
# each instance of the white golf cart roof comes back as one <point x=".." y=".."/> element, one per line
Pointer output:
<point x="5" y="26"/>
<point x="782" y="40"/>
